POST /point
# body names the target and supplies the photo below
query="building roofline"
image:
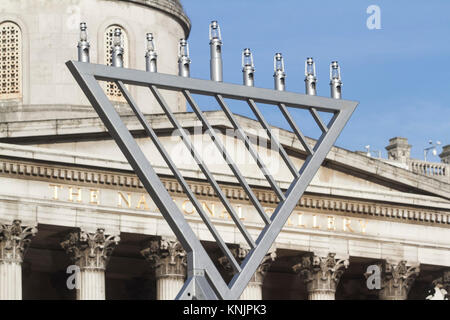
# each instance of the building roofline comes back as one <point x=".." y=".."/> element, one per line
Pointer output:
<point x="338" y="158"/>
<point x="173" y="8"/>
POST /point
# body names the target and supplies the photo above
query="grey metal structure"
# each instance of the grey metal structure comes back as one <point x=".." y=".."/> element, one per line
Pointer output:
<point x="204" y="280"/>
<point x="215" y="44"/>
<point x="151" y="57"/>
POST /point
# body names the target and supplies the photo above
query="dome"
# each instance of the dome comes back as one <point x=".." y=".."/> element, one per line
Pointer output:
<point x="42" y="35"/>
<point x="172" y="7"/>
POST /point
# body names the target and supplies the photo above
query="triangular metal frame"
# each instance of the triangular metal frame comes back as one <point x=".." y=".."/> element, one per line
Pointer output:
<point x="204" y="280"/>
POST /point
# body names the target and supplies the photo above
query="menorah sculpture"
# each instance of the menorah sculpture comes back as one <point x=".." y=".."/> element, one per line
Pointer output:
<point x="204" y="280"/>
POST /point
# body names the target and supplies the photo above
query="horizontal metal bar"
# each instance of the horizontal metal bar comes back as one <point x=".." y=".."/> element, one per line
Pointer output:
<point x="227" y="158"/>
<point x="150" y="180"/>
<point x="211" y="88"/>
<point x="151" y="133"/>
<point x="295" y="128"/>
<point x="285" y="208"/>
<point x="198" y="258"/>
<point x="272" y="138"/>
<point x="248" y="144"/>
<point x="203" y="167"/>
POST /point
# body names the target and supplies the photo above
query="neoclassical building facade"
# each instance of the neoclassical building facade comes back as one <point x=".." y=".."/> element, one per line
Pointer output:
<point x="76" y="223"/>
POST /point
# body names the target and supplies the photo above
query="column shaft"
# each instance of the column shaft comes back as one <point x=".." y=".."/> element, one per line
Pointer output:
<point x="167" y="288"/>
<point x="253" y="291"/>
<point x="10" y="281"/>
<point x="321" y="274"/>
<point x="14" y="241"/>
<point x="92" y="285"/>
<point x="91" y="253"/>
<point x="168" y="259"/>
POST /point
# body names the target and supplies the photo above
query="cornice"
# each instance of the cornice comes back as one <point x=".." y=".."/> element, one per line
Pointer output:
<point x="338" y="158"/>
<point x="317" y="203"/>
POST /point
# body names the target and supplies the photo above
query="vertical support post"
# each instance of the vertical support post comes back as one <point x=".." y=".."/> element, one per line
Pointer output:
<point x="279" y="74"/>
<point x="184" y="61"/>
<point x="90" y="252"/>
<point x="310" y="77"/>
<point x="215" y="44"/>
<point x="117" y="49"/>
<point x="168" y="259"/>
<point x="14" y="241"/>
<point x="83" y="44"/>
<point x="248" y="68"/>
<point x="150" y="55"/>
<point x="335" y="80"/>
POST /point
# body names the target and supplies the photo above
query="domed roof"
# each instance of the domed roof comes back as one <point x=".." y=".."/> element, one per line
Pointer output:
<point x="172" y="7"/>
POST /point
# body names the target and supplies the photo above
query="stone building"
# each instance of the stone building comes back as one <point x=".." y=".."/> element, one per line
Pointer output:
<point x="70" y="202"/>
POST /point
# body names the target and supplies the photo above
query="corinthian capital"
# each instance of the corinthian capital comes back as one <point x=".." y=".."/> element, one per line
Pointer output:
<point x="240" y="252"/>
<point x="90" y="250"/>
<point x="321" y="273"/>
<point x="14" y="241"/>
<point x="397" y="279"/>
<point x="167" y="257"/>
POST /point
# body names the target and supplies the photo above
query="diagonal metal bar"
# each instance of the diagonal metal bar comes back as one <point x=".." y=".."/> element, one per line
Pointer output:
<point x="295" y="128"/>
<point x="204" y="280"/>
<point x="203" y="167"/>
<point x="151" y="133"/>
<point x="198" y="258"/>
<point x="243" y="136"/>
<point x="227" y="158"/>
<point x="318" y="120"/>
<point x="272" y="138"/>
<point x="294" y="193"/>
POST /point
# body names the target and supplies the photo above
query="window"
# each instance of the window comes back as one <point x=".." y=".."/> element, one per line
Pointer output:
<point x="112" y="90"/>
<point x="10" y="61"/>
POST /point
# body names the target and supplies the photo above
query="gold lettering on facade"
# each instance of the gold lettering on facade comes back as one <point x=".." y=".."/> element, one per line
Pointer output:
<point x="299" y="220"/>
<point x="241" y="217"/>
<point x="331" y="223"/>
<point x="142" y="201"/>
<point x="183" y="206"/>
<point x="302" y="220"/>
<point x="363" y="224"/>
<point x="76" y="194"/>
<point x="94" y="193"/>
<point x="225" y="215"/>
<point x="315" y="225"/>
<point x="211" y="210"/>
<point x="289" y="222"/>
<point x="121" y="198"/>
<point x="346" y="225"/>
<point x="55" y="190"/>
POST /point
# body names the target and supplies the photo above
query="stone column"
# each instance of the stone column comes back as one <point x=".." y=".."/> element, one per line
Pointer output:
<point x="14" y="240"/>
<point x="397" y="279"/>
<point x="168" y="258"/>
<point x="253" y="291"/>
<point x="321" y="275"/>
<point x="90" y="252"/>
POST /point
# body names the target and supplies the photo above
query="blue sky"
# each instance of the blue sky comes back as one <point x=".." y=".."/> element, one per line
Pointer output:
<point x="399" y="74"/>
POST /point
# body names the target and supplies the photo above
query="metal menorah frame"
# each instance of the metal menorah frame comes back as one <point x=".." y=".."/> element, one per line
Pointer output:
<point x="204" y="280"/>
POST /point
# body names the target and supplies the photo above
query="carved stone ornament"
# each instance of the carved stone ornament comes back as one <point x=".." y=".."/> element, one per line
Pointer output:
<point x="397" y="279"/>
<point x="14" y="241"/>
<point x="90" y="250"/>
<point x="239" y="253"/>
<point x="321" y="273"/>
<point x="167" y="257"/>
